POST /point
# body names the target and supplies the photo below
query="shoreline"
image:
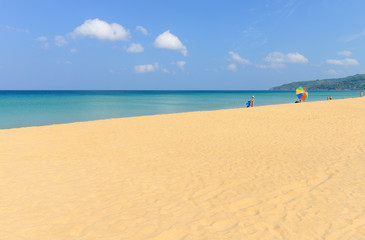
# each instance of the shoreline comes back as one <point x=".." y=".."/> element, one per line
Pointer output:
<point x="271" y="172"/>
<point x="53" y="124"/>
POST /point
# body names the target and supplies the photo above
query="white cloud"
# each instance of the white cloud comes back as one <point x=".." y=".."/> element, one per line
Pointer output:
<point x="74" y="50"/>
<point x="68" y="62"/>
<point x="169" y="41"/>
<point x="275" y="57"/>
<point x="278" y="57"/>
<point x="232" y="67"/>
<point x="272" y="65"/>
<point x="146" y="68"/>
<point x="41" y="39"/>
<point x="102" y="30"/>
<point x="135" y="48"/>
<point x="142" y="30"/>
<point x="150" y="68"/>
<point x="16" y="29"/>
<point x="181" y="64"/>
<point x="345" y="53"/>
<point x="236" y="57"/>
<point x="60" y="41"/>
<point x="343" y="62"/>
<point x="296" y="58"/>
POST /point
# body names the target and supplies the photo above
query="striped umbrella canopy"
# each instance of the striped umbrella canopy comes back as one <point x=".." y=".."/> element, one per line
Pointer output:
<point x="302" y="93"/>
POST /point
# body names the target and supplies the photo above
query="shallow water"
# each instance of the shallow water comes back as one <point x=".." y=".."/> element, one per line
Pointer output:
<point x="36" y="108"/>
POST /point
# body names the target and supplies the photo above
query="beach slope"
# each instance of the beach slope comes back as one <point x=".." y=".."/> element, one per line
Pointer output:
<point x="292" y="171"/>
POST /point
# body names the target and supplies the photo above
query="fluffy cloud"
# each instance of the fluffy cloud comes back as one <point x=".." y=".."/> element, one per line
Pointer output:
<point x="275" y="57"/>
<point x="41" y="39"/>
<point x="146" y="68"/>
<point x="278" y="60"/>
<point x="343" y="62"/>
<point x="60" y="41"/>
<point x="181" y="64"/>
<point x="74" y="50"/>
<point x="232" y="67"/>
<point x="167" y="40"/>
<point x="102" y="30"/>
<point x="278" y="57"/>
<point x="345" y="53"/>
<point x="135" y="48"/>
<point x="236" y="57"/>
<point x="142" y="30"/>
<point x="149" y="68"/>
<point x="296" y="58"/>
<point x="272" y="65"/>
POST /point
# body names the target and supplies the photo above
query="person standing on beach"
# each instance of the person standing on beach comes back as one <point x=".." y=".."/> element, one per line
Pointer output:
<point x="252" y="101"/>
<point x="330" y="97"/>
<point x="361" y="94"/>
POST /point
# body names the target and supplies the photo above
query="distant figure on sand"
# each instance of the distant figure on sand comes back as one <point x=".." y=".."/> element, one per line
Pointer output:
<point x="361" y="94"/>
<point x="327" y="98"/>
<point x="252" y="101"/>
<point x="330" y="97"/>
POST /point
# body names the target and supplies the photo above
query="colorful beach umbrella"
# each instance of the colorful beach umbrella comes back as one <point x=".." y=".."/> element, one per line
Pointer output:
<point x="302" y="93"/>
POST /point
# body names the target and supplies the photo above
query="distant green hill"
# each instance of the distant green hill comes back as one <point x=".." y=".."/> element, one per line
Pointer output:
<point x="356" y="82"/>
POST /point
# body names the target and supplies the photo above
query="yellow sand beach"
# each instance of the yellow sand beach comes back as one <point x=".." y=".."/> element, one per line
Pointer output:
<point x="292" y="171"/>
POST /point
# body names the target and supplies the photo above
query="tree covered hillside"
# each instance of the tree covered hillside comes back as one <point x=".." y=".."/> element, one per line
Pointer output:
<point x="356" y="82"/>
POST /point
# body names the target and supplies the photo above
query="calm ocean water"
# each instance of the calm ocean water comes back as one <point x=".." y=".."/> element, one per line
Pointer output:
<point x="36" y="108"/>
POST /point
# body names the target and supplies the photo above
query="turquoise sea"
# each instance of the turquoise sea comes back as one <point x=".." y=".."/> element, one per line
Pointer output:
<point x="36" y="108"/>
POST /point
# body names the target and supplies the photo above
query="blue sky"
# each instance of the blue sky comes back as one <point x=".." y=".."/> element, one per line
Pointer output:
<point x="178" y="45"/>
